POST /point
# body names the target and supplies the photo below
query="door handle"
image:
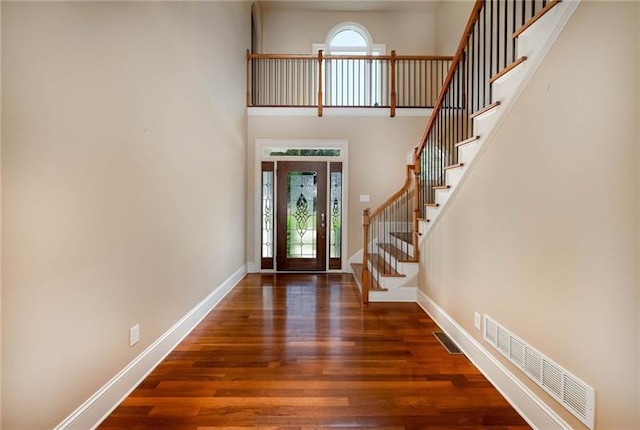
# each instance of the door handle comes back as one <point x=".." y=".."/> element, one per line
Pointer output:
<point x="322" y="230"/>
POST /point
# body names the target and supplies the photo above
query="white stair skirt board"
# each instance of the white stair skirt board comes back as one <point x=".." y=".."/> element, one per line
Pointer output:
<point x="524" y="401"/>
<point x="93" y="411"/>
<point x="534" y="43"/>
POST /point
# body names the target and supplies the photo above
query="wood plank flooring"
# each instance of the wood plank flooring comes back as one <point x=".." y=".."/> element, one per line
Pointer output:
<point x="300" y="351"/>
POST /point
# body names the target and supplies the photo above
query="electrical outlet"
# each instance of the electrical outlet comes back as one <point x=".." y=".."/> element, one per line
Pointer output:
<point x="477" y="321"/>
<point x="134" y="334"/>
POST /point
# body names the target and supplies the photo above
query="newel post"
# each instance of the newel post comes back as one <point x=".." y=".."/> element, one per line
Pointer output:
<point x="320" y="82"/>
<point x="366" y="276"/>
<point x="248" y="78"/>
<point x="416" y="208"/>
<point x="393" y="84"/>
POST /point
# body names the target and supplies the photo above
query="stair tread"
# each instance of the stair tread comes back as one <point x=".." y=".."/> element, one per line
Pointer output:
<point x="485" y="109"/>
<point x="357" y="274"/>
<point x="467" y="141"/>
<point x="397" y="253"/>
<point x="507" y="69"/>
<point x="536" y="17"/>
<point x="432" y="205"/>
<point x="453" y="166"/>
<point x="383" y="268"/>
<point x="403" y="236"/>
<point x="441" y="187"/>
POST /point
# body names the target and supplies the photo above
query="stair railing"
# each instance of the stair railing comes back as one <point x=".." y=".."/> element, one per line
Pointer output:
<point x="487" y="50"/>
<point x="364" y="81"/>
<point x="389" y="236"/>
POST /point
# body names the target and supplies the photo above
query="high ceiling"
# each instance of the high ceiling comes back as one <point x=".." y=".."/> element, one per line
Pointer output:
<point x="352" y="5"/>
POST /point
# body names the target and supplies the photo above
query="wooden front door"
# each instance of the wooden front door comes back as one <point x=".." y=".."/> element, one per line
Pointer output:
<point x="301" y="216"/>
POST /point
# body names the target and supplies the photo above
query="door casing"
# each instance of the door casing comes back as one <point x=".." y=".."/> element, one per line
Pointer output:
<point x="259" y="156"/>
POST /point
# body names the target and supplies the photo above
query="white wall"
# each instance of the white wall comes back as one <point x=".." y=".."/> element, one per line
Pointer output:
<point x="123" y="170"/>
<point x="378" y="147"/>
<point x="542" y="236"/>
<point x="294" y="32"/>
<point x="451" y="20"/>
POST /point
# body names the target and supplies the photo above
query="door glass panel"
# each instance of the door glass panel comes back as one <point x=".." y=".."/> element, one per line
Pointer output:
<point x="336" y="215"/>
<point x="301" y="214"/>
<point x="267" y="215"/>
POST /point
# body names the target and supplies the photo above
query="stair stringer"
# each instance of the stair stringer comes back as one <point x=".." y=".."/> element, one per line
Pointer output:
<point x="534" y="43"/>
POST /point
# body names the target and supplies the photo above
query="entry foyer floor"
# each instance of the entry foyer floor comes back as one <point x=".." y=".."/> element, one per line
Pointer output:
<point x="300" y="351"/>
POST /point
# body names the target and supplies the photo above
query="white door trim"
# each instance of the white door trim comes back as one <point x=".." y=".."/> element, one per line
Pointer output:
<point x="260" y="146"/>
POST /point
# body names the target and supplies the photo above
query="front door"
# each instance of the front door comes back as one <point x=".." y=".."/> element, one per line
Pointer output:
<point x="301" y="215"/>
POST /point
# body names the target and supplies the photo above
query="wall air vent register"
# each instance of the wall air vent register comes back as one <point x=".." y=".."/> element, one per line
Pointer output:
<point x="573" y="394"/>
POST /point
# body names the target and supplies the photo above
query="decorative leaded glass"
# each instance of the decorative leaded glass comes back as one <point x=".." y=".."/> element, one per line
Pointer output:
<point x="308" y="152"/>
<point x="267" y="215"/>
<point x="335" y="235"/>
<point x="301" y="214"/>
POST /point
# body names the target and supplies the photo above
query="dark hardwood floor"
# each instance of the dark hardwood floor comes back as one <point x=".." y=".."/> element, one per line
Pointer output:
<point x="300" y="351"/>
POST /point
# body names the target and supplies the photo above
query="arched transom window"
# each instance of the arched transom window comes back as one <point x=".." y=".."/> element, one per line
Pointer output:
<point x="352" y="81"/>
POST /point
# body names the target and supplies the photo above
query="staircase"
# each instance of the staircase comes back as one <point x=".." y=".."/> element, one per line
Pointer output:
<point x="502" y="46"/>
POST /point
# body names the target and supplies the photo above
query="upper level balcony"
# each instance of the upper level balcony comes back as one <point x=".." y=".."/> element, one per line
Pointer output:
<point x="389" y="82"/>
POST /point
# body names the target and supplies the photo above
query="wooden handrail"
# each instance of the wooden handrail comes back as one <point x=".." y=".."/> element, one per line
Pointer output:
<point x="475" y="14"/>
<point x="390" y="200"/>
<point x="348" y="57"/>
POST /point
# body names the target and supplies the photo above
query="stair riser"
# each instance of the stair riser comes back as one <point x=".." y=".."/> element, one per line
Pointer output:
<point x="402" y="294"/>
<point x="453" y="176"/>
<point x="467" y="152"/>
<point x="442" y="196"/>
<point x="405" y="267"/>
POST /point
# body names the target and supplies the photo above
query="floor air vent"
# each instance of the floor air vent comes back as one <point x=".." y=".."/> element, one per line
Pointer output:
<point x="576" y="396"/>
<point x="447" y="343"/>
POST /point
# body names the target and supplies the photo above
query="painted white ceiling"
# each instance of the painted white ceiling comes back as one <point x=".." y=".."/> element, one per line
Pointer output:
<point x="352" y="5"/>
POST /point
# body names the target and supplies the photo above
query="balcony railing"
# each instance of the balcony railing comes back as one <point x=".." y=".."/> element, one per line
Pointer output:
<point x="365" y="81"/>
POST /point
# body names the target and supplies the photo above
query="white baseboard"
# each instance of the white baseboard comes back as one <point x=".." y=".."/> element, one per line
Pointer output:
<point x="252" y="267"/>
<point x="529" y="406"/>
<point x="92" y="412"/>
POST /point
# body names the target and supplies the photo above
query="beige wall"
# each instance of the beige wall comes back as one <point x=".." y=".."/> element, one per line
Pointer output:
<point x="542" y="236"/>
<point x="123" y="170"/>
<point x="0" y="218"/>
<point x="406" y="32"/>
<point x="638" y="177"/>
<point x="451" y="20"/>
<point x="378" y="147"/>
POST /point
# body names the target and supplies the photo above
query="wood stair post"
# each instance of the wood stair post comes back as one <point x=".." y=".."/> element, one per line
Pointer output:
<point x="416" y="212"/>
<point x="366" y="275"/>
<point x="320" y="101"/>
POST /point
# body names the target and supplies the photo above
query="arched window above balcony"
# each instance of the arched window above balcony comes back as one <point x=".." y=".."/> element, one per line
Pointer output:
<point x="349" y="38"/>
